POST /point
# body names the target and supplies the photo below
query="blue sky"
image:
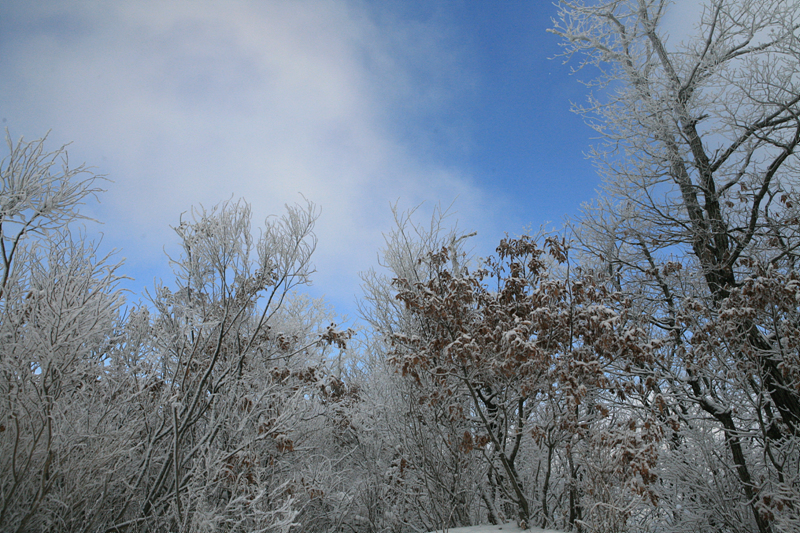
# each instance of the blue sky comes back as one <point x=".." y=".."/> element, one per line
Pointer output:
<point x="354" y="104"/>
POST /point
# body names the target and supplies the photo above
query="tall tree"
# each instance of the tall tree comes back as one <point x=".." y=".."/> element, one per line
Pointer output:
<point x="700" y="193"/>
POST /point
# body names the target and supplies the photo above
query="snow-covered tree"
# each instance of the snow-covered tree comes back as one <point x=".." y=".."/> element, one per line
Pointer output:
<point x="700" y="202"/>
<point x="230" y="375"/>
<point x="423" y="480"/>
<point x="208" y="409"/>
<point x="58" y="313"/>
<point x="523" y="360"/>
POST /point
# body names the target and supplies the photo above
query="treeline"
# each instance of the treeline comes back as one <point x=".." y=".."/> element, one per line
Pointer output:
<point x="638" y="370"/>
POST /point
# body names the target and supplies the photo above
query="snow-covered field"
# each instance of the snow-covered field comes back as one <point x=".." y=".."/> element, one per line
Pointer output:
<point x="505" y="528"/>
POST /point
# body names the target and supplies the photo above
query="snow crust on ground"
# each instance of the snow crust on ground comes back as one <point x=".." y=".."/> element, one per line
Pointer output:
<point x="505" y="528"/>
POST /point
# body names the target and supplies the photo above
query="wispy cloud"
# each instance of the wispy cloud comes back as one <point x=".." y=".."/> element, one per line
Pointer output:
<point x="183" y="103"/>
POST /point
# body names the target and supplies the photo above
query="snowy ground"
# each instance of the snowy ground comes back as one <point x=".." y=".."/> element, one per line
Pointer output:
<point x="505" y="528"/>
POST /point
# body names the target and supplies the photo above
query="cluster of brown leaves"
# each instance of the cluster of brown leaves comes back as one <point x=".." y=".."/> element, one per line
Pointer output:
<point x="525" y="331"/>
<point x="536" y="330"/>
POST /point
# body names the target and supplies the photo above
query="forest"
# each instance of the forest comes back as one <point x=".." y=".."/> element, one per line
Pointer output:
<point x="636" y="370"/>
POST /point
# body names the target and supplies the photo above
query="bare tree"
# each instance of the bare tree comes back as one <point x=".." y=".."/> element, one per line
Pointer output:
<point x="223" y="378"/>
<point x="34" y="200"/>
<point x="698" y="156"/>
<point x="58" y="312"/>
<point x="205" y="410"/>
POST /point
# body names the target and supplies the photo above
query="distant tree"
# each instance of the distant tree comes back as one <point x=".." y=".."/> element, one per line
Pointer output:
<point x="700" y="200"/>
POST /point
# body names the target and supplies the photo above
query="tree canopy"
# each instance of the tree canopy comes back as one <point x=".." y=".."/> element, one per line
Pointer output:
<point x="636" y="370"/>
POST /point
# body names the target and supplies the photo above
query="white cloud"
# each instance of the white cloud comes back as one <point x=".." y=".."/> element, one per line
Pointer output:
<point x="184" y="103"/>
